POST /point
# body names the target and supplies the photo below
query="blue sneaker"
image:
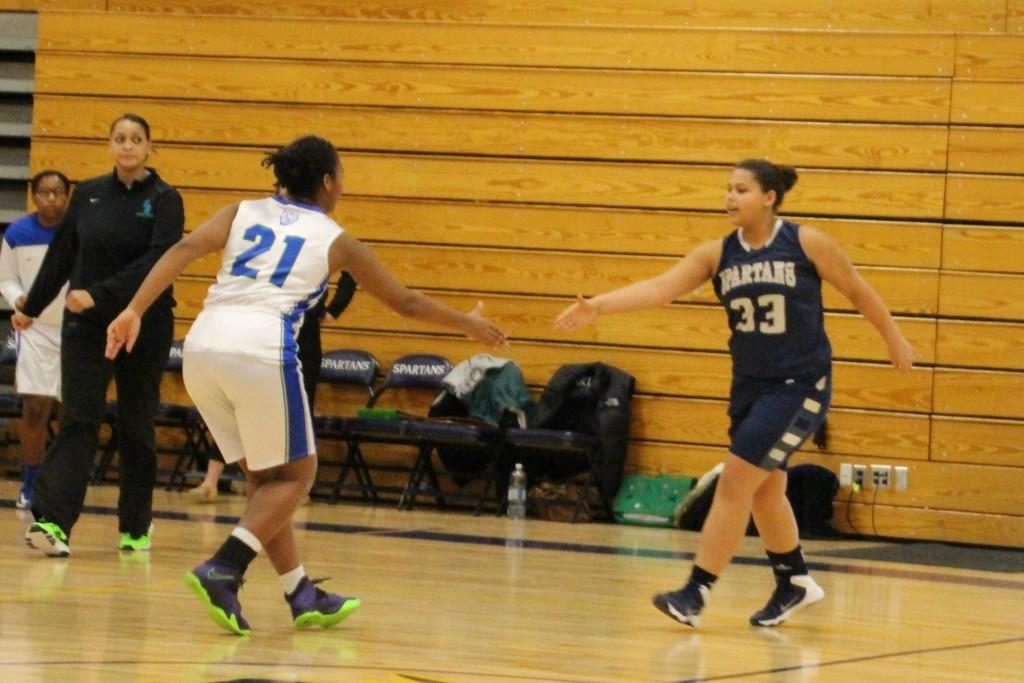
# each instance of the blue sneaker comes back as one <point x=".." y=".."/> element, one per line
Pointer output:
<point x="684" y="605"/>
<point x="24" y="501"/>
<point x="314" y="607"/>
<point x="217" y="584"/>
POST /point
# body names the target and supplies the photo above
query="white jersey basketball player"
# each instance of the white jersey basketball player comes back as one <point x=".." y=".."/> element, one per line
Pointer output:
<point x="241" y="366"/>
<point x="37" y="372"/>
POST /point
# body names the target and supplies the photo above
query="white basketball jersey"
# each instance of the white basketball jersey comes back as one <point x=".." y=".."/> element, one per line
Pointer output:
<point x="275" y="264"/>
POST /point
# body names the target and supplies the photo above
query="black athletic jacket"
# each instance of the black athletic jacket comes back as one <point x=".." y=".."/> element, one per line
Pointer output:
<point x="108" y="240"/>
<point x="592" y="398"/>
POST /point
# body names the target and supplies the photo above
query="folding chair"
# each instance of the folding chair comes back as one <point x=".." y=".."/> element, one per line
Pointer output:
<point x="354" y="368"/>
<point x="408" y="373"/>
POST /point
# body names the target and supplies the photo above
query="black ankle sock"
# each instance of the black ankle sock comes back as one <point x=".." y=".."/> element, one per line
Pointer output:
<point x="788" y="565"/>
<point x="235" y="553"/>
<point x="702" y="577"/>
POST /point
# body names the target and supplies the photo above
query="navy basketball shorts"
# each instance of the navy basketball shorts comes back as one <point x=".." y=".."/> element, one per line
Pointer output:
<point x="771" y="419"/>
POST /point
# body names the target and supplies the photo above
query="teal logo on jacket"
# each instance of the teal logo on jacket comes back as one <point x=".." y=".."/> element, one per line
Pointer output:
<point x="147" y="209"/>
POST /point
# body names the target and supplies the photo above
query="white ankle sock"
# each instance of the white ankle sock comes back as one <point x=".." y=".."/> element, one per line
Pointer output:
<point x="290" y="580"/>
<point x="249" y="538"/>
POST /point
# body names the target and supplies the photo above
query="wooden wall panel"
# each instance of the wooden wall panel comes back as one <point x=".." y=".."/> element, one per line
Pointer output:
<point x="980" y="344"/>
<point x="891" y="521"/>
<point x="986" y="150"/>
<point x="981" y="295"/>
<point x="982" y="249"/>
<point x="36" y="5"/>
<point x="987" y="102"/>
<point x="981" y="441"/>
<point x="979" y="393"/>
<point x="898" y="195"/>
<point x="852" y="432"/>
<point x="895" y="100"/>
<point x="624" y="138"/>
<point x="1015" y="17"/>
<point x="621" y="231"/>
<point x="928" y="16"/>
<point x="582" y="46"/>
<point x="984" y="198"/>
<point x="993" y="57"/>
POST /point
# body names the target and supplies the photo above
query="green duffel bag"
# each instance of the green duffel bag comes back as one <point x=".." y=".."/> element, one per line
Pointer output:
<point x="650" y="501"/>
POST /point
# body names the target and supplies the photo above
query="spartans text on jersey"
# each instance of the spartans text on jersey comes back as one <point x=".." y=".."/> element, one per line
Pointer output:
<point x="778" y="272"/>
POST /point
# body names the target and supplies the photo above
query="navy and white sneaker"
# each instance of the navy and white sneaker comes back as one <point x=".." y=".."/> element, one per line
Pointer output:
<point x="24" y="501"/>
<point x="790" y="596"/>
<point x="684" y="605"/>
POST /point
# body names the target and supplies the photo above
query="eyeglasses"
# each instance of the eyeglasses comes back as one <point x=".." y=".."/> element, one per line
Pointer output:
<point x="56" y="194"/>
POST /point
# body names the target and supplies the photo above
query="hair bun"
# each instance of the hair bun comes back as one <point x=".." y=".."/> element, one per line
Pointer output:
<point x="788" y="176"/>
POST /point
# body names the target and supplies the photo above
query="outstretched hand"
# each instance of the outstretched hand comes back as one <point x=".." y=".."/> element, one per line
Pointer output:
<point x="483" y="330"/>
<point x="581" y="313"/>
<point x="902" y="354"/>
<point x="122" y="333"/>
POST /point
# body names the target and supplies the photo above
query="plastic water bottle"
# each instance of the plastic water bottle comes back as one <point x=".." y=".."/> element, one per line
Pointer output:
<point x="517" y="493"/>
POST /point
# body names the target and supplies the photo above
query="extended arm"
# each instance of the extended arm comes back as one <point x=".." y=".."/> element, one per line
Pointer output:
<point x="210" y="236"/>
<point x="350" y="254"/>
<point x="686" y="275"/>
<point x="57" y="264"/>
<point x="835" y="267"/>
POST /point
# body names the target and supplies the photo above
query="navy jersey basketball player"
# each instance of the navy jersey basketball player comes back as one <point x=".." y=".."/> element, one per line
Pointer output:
<point x="780" y="354"/>
<point x="768" y="274"/>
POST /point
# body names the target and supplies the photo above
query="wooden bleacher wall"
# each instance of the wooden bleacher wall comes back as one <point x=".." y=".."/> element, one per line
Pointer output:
<point x="520" y="153"/>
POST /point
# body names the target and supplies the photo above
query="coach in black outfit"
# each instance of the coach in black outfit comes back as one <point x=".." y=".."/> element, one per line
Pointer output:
<point x="116" y="227"/>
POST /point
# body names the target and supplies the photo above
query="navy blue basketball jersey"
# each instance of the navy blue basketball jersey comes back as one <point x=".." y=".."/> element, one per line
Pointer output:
<point x="772" y="296"/>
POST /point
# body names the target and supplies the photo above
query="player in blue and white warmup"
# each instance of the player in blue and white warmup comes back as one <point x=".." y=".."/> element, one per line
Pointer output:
<point x="767" y="273"/>
<point x="241" y="367"/>
<point x="37" y="373"/>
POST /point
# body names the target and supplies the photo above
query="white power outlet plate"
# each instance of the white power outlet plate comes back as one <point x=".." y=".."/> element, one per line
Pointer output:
<point x="845" y="474"/>
<point x="881" y="477"/>
<point x="901" y="473"/>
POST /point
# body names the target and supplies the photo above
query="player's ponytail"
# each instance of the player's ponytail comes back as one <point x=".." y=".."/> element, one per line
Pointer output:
<point x="301" y="166"/>
<point x="771" y="176"/>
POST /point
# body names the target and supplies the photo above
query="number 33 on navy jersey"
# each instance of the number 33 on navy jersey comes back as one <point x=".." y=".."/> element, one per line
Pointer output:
<point x="772" y="296"/>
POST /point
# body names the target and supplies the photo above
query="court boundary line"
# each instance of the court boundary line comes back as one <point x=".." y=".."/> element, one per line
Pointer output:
<point x="851" y="660"/>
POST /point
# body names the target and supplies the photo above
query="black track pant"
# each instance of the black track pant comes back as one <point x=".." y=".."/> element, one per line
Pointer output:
<point x="59" y="492"/>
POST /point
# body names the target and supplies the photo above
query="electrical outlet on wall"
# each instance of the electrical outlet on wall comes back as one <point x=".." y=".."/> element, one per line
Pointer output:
<point x="881" y="477"/>
<point x="859" y="475"/>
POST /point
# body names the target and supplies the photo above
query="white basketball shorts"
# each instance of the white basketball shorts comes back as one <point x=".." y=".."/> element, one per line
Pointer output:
<point x="38" y="369"/>
<point x="255" y="408"/>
